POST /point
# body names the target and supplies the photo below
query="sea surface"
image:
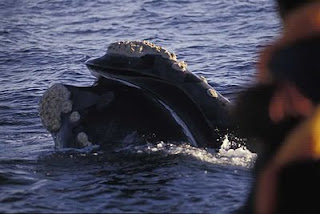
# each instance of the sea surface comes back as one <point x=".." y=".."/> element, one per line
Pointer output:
<point x="46" y="42"/>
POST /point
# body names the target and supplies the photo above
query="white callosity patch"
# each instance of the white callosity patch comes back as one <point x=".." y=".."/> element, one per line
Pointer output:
<point x="204" y="79"/>
<point x="212" y="93"/>
<point x="74" y="117"/>
<point x="141" y="48"/>
<point x="180" y="66"/>
<point x="83" y="139"/>
<point x="55" y="100"/>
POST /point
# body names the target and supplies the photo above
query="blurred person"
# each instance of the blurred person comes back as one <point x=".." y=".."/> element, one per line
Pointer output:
<point x="280" y="111"/>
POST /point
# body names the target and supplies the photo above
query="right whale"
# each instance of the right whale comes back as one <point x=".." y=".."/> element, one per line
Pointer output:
<point x="142" y="94"/>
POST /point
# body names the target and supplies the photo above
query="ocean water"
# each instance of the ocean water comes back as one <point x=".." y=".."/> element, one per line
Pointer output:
<point x="46" y="42"/>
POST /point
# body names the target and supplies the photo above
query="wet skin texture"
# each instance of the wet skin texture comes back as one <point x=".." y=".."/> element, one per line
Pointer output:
<point x="111" y="111"/>
<point x="140" y="100"/>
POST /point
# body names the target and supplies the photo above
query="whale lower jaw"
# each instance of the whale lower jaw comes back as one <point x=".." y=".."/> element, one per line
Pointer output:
<point x="59" y="116"/>
<point x="200" y="129"/>
<point x="177" y="118"/>
<point x="74" y="128"/>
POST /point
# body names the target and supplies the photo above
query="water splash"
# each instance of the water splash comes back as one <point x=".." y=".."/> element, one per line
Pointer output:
<point x="237" y="156"/>
<point x="240" y="156"/>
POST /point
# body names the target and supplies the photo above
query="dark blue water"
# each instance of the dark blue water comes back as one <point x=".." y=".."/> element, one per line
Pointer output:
<point x="46" y="42"/>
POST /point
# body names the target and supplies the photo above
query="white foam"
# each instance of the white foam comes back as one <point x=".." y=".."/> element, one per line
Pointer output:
<point x="227" y="156"/>
<point x="239" y="156"/>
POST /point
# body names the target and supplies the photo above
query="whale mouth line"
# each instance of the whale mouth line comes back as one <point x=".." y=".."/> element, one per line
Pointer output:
<point x="176" y="117"/>
<point x="124" y="74"/>
<point x="116" y="71"/>
<point x="182" y="124"/>
<point x="129" y="76"/>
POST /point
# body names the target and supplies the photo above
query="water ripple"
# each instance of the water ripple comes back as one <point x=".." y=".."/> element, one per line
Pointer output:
<point x="45" y="42"/>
